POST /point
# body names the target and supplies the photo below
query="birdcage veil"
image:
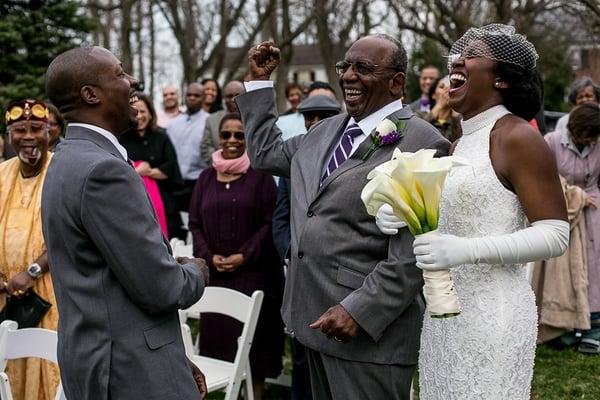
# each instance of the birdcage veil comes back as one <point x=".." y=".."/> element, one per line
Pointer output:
<point x="497" y="42"/>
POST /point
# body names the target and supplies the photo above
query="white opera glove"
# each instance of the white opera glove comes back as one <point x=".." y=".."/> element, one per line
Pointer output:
<point x="436" y="251"/>
<point x="542" y="240"/>
<point x="387" y="222"/>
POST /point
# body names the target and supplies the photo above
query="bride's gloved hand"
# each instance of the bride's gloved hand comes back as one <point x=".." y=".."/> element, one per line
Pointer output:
<point x="436" y="251"/>
<point x="542" y="240"/>
<point x="387" y="222"/>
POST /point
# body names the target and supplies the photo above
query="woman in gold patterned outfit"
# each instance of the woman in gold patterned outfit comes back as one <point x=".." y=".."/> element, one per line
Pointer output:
<point x="23" y="260"/>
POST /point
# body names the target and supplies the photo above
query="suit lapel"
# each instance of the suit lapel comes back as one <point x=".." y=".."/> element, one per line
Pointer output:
<point x="357" y="157"/>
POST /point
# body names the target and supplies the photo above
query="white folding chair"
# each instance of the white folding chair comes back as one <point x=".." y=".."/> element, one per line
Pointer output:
<point x="223" y="375"/>
<point x="181" y="249"/>
<point x="23" y="343"/>
<point x="185" y="218"/>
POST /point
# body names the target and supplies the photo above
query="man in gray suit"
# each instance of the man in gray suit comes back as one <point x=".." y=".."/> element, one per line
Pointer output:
<point x="352" y="295"/>
<point x="117" y="286"/>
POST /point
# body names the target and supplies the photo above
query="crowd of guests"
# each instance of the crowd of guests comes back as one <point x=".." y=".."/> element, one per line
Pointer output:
<point x="192" y="159"/>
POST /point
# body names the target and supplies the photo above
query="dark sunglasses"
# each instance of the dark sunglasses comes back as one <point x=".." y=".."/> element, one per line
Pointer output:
<point x="359" y="67"/>
<point x="226" y="135"/>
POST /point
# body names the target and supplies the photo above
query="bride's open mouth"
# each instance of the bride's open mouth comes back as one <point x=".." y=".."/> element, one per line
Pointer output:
<point x="457" y="81"/>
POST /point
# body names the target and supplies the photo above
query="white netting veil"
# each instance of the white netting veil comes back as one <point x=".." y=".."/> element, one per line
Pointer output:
<point x="497" y="42"/>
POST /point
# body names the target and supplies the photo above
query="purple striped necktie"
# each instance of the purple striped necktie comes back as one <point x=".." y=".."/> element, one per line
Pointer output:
<point x="343" y="150"/>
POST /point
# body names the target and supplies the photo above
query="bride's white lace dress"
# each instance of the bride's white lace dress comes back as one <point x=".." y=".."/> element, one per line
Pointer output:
<point x="488" y="351"/>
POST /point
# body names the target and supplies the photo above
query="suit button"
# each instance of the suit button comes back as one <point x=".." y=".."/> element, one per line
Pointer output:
<point x="310" y="214"/>
<point x="300" y="254"/>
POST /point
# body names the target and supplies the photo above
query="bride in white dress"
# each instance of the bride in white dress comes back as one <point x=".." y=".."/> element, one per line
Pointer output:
<point x="487" y="352"/>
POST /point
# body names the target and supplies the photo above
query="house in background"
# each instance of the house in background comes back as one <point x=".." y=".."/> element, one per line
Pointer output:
<point x="586" y="61"/>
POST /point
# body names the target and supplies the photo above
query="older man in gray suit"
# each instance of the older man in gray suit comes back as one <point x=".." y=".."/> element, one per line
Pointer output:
<point x="352" y="296"/>
<point x="118" y="287"/>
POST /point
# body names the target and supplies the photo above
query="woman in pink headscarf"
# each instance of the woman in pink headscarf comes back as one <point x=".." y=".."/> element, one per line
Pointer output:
<point x="230" y="220"/>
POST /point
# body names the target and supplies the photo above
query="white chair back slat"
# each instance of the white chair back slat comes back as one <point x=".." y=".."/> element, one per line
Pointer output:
<point x="31" y="342"/>
<point x="24" y="343"/>
<point x="223" y="301"/>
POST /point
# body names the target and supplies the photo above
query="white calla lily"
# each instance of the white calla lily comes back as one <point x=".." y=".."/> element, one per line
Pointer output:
<point x="382" y="189"/>
<point x="412" y="183"/>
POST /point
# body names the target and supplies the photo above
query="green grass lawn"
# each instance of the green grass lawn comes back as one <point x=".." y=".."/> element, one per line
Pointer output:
<point x="565" y="374"/>
<point x="558" y="375"/>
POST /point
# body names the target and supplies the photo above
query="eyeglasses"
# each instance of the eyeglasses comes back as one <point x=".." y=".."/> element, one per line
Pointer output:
<point x="360" y="67"/>
<point x="21" y="128"/>
<point x="226" y="135"/>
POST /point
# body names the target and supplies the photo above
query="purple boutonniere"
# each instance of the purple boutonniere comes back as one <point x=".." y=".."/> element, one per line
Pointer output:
<point x="386" y="133"/>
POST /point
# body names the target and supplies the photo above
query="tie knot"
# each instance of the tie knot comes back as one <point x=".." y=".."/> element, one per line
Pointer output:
<point x="353" y="131"/>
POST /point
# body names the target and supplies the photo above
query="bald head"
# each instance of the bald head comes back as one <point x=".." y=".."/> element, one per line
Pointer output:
<point x="230" y="91"/>
<point x="66" y="75"/>
<point x="88" y="84"/>
<point x="170" y="98"/>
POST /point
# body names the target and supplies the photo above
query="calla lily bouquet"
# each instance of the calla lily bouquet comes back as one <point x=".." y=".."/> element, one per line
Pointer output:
<point x="412" y="184"/>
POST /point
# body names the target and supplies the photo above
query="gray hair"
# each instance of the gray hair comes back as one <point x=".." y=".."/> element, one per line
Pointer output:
<point x="580" y="84"/>
<point x="399" y="59"/>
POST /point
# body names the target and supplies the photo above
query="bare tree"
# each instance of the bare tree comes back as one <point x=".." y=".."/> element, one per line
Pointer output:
<point x="184" y="20"/>
<point x="446" y="20"/>
<point x="125" y="29"/>
<point x="203" y="30"/>
<point x="284" y="28"/>
<point x="333" y="32"/>
<point x="102" y="12"/>
<point x="152" y="35"/>
<point x="140" y="55"/>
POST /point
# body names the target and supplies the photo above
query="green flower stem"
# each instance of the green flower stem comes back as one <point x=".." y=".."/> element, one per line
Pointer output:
<point x="371" y="150"/>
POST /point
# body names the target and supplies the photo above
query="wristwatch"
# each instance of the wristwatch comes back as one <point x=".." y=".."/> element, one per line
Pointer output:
<point x="35" y="270"/>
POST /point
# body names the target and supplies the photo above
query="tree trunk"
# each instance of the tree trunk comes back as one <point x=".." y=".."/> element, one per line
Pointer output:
<point x="125" y="36"/>
<point x="139" y="24"/>
<point x="152" y="71"/>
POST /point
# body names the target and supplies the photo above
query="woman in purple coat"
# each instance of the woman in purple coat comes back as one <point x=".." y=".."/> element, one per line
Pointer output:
<point x="577" y="153"/>
<point x="230" y="220"/>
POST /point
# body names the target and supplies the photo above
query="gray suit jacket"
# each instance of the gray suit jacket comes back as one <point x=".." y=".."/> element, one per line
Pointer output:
<point x="117" y="286"/>
<point x="338" y="255"/>
<point x="210" y="140"/>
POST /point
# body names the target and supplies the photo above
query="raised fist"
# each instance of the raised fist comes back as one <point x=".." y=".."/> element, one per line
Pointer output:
<point x="262" y="59"/>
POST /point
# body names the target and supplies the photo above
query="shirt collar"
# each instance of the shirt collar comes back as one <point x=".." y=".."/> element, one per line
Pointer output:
<point x="112" y="138"/>
<point x="195" y="115"/>
<point x="565" y="140"/>
<point x="370" y="122"/>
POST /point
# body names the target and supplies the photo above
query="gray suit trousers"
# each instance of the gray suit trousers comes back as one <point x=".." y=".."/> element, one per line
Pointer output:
<point x="334" y="378"/>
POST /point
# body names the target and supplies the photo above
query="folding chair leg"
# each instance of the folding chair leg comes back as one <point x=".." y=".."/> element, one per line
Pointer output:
<point x="248" y="383"/>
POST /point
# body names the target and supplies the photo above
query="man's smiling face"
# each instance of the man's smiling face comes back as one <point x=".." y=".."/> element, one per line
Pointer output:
<point x="371" y="81"/>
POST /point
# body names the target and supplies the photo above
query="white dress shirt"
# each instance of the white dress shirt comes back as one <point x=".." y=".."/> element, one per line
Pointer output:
<point x="112" y="138"/>
<point x="186" y="132"/>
